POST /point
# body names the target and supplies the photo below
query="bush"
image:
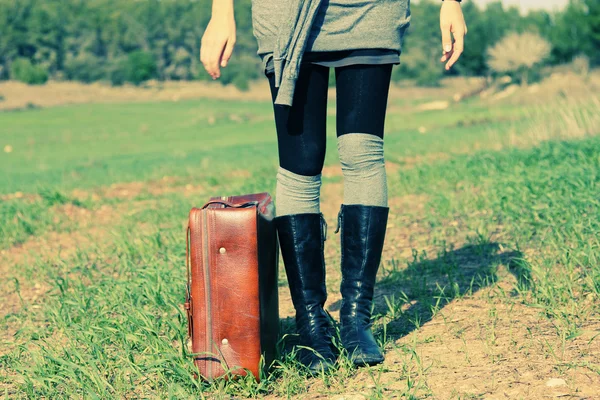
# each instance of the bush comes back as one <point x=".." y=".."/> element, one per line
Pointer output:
<point x="180" y="67"/>
<point x="421" y="65"/>
<point x="24" y="71"/>
<point x="140" y="67"/>
<point x="581" y="65"/>
<point x="518" y="54"/>
<point x="85" y="68"/>
<point x="117" y="72"/>
<point x="240" y="71"/>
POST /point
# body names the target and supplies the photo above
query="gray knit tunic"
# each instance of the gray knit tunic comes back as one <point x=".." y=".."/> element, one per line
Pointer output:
<point x="285" y="29"/>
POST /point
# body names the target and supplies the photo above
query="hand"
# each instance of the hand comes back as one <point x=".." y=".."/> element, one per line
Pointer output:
<point x="452" y="21"/>
<point x="217" y="43"/>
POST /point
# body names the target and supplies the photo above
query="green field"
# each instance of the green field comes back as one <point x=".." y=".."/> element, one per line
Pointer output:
<point x="489" y="287"/>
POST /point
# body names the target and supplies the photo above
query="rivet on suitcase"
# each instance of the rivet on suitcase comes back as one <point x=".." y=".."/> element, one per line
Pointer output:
<point x="232" y="302"/>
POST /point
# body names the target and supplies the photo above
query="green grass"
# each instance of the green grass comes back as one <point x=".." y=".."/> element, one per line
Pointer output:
<point x="512" y="232"/>
<point x="83" y="146"/>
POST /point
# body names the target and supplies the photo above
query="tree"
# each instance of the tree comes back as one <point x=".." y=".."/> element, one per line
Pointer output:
<point x="140" y="67"/>
<point x="518" y="53"/>
<point x="90" y="40"/>
<point x="593" y="22"/>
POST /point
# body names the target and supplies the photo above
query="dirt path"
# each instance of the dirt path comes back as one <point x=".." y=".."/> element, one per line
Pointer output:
<point x="17" y="95"/>
<point x="486" y="347"/>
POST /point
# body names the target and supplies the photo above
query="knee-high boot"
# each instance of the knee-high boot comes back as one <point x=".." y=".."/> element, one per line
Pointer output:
<point x="301" y="238"/>
<point x="363" y="233"/>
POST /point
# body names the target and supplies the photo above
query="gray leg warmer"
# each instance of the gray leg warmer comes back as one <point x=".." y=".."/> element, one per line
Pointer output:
<point x="297" y="194"/>
<point x="363" y="166"/>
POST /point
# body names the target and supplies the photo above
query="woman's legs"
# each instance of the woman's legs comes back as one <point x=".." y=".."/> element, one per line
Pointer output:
<point x="300" y="225"/>
<point x="362" y="92"/>
<point x="362" y="100"/>
<point x="301" y="140"/>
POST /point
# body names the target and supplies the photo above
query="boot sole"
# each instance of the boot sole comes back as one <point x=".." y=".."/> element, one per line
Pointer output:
<point x="367" y="361"/>
<point x="321" y="367"/>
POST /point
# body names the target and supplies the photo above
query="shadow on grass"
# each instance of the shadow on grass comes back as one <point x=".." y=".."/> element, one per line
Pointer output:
<point x="410" y="297"/>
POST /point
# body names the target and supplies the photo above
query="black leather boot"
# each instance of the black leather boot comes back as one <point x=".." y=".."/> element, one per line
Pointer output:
<point x="301" y="238"/>
<point x="363" y="232"/>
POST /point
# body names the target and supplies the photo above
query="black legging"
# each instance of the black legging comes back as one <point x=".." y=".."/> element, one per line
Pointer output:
<point x="361" y="93"/>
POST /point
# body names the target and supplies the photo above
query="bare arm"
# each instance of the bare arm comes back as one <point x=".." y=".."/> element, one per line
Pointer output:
<point x="452" y="23"/>
<point x="219" y="38"/>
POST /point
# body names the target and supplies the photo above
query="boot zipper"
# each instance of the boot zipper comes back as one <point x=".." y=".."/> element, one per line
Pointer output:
<point x="207" y="293"/>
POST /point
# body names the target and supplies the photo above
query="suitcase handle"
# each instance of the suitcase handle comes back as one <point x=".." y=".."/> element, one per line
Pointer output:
<point x="229" y="204"/>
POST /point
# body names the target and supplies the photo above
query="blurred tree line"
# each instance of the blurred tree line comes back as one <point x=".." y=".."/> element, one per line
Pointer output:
<point x="572" y="33"/>
<point x="137" y="40"/>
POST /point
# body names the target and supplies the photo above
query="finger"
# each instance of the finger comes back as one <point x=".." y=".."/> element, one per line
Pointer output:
<point x="446" y="38"/>
<point x="457" y="48"/>
<point x="205" y="57"/>
<point x="227" y="52"/>
<point x="213" y="56"/>
<point x="213" y="61"/>
<point x="217" y="51"/>
<point x="453" y="59"/>
<point x="446" y="56"/>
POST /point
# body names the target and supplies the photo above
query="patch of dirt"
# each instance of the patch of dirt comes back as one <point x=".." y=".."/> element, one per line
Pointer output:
<point x="89" y="228"/>
<point x="131" y="190"/>
<point x="408" y="202"/>
<point x="412" y="162"/>
<point x="239" y="173"/>
<point x="562" y="82"/>
<point x="128" y="190"/>
<point x="449" y="88"/>
<point x="28" y="197"/>
<point x="18" y="95"/>
<point x="52" y="245"/>
<point x="332" y="171"/>
<point x="331" y="200"/>
<point x="489" y="348"/>
<point x="85" y="217"/>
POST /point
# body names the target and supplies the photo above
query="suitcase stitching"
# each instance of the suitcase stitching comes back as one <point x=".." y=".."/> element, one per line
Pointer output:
<point x="209" y="295"/>
<point x="188" y="304"/>
<point x="213" y="265"/>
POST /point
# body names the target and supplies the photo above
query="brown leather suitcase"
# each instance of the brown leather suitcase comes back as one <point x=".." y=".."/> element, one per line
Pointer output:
<point x="232" y="301"/>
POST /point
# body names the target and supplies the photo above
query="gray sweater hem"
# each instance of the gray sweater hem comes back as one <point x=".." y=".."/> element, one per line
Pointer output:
<point x="285" y="29"/>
